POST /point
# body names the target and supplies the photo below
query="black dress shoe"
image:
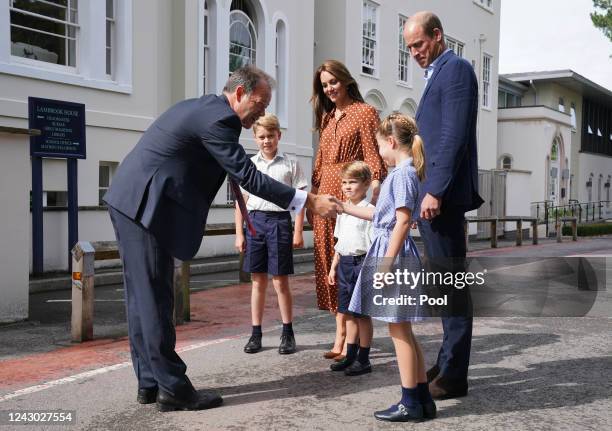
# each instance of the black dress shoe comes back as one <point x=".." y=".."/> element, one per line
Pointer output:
<point x="196" y="400"/>
<point x="341" y="365"/>
<point x="146" y="396"/>
<point x="432" y="373"/>
<point x="400" y="413"/>
<point x="429" y="410"/>
<point x="287" y="344"/>
<point x="357" y="369"/>
<point x="442" y="388"/>
<point x="254" y="344"/>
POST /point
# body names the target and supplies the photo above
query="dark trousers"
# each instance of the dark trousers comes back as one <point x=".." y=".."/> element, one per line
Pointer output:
<point x="444" y="237"/>
<point x="148" y="274"/>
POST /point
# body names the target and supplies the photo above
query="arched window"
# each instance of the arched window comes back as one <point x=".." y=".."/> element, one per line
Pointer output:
<point x="377" y="100"/>
<point x="281" y="64"/>
<point x="243" y="36"/>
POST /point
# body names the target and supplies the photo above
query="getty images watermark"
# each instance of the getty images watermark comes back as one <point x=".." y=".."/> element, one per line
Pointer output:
<point x="412" y="280"/>
<point x="484" y="286"/>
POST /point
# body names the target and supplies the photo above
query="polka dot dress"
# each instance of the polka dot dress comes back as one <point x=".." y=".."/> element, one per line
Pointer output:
<point x="346" y="139"/>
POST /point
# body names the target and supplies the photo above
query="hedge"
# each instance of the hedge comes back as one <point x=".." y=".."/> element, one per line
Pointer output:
<point x="589" y="229"/>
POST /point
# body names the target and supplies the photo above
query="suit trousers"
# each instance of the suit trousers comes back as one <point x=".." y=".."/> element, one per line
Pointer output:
<point x="148" y="275"/>
<point x="443" y="237"/>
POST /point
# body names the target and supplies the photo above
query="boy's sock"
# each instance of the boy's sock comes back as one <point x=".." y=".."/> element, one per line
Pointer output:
<point x="364" y="355"/>
<point x="424" y="395"/>
<point x="256" y="330"/>
<point x="351" y="351"/>
<point x="288" y="328"/>
<point x="410" y="397"/>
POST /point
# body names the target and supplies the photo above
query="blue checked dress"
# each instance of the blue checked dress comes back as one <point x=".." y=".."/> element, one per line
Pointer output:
<point x="399" y="190"/>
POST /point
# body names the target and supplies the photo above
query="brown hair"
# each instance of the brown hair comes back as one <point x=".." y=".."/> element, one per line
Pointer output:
<point x="320" y="102"/>
<point x="357" y="170"/>
<point x="268" y="122"/>
<point x="405" y="131"/>
<point x="428" y="21"/>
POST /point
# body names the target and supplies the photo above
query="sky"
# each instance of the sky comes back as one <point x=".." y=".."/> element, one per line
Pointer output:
<point x="538" y="35"/>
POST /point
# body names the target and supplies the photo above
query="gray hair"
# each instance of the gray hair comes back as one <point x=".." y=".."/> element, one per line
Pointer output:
<point x="248" y="77"/>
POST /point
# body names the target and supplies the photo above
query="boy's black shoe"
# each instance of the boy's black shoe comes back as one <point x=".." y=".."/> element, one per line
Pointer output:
<point x="357" y="369"/>
<point x="400" y="413"/>
<point x="341" y="365"/>
<point x="287" y="344"/>
<point x="254" y="344"/>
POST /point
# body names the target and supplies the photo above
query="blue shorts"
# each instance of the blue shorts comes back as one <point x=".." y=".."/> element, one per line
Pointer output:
<point x="271" y="249"/>
<point x="347" y="273"/>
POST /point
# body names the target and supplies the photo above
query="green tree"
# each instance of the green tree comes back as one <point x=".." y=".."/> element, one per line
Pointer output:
<point x="602" y="17"/>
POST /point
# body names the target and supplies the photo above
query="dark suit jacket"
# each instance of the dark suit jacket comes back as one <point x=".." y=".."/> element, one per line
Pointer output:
<point x="169" y="180"/>
<point x="446" y="118"/>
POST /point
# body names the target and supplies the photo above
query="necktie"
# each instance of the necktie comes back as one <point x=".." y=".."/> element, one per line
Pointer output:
<point x="242" y="206"/>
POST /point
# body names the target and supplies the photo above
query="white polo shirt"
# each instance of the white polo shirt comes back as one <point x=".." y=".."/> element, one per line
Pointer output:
<point x="283" y="169"/>
<point x="354" y="234"/>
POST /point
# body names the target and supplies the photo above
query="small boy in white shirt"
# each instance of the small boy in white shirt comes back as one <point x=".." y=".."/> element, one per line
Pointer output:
<point x="354" y="240"/>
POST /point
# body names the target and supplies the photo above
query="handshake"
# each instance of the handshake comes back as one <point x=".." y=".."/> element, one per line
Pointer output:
<point x="323" y="205"/>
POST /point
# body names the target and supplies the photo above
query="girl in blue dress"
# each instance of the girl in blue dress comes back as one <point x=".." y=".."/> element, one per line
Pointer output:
<point x="402" y="149"/>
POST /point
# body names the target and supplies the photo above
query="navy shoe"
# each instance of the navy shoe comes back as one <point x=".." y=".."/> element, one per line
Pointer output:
<point x="429" y="410"/>
<point x="357" y="369"/>
<point x="400" y="413"/>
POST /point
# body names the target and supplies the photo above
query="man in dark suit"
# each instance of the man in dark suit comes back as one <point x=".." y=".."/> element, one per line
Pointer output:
<point x="446" y="118"/>
<point x="158" y="203"/>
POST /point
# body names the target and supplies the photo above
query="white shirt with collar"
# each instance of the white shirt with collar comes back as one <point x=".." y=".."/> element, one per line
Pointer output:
<point x="281" y="168"/>
<point x="354" y="234"/>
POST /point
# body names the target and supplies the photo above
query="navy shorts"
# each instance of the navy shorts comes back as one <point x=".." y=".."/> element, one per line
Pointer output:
<point x="271" y="249"/>
<point x="347" y="273"/>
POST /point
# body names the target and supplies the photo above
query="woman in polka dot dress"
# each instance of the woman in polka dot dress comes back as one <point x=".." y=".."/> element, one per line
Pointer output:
<point x="347" y="132"/>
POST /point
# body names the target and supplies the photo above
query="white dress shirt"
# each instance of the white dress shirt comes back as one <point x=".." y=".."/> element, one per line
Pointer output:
<point x="354" y="234"/>
<point x="285" y="170"/>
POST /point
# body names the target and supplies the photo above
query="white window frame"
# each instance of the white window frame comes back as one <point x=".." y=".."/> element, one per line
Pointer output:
<point x="112" y="168"/>
<point x="402" y="49"/>
<point x="487" y="83"/>
<point x="367" y="7"/>
<point x="90" y="69"/>
<point x="113" y="40"/>
<point x="485" y="4"/>
<point x="281" y="70"/>
<point x="455" y="45"/>
<point x="250" y="27"/>
<point x="573" y="116"/>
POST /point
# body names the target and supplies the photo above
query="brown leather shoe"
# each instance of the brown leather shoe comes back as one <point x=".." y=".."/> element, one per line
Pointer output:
<point x="330" y="355"/>
<point x="442" y="388"/>
<point x="339" y="358"/>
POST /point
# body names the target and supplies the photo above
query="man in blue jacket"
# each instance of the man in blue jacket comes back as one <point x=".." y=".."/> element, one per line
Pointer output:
<point x="446" y="118"/>
<point x="158" y="203"/>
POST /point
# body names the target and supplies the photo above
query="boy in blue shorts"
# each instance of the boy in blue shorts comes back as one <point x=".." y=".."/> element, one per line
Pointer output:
<point x="269" y="251"/>
<point x="354" y="239"/>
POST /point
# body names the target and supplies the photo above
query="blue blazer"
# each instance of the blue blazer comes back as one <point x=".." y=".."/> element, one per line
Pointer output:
<point x="167" y="183"/>
<point x="446" y="118"/>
